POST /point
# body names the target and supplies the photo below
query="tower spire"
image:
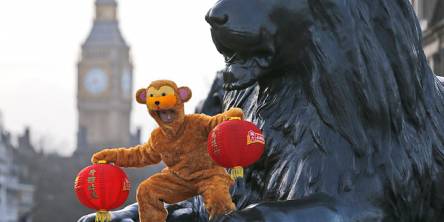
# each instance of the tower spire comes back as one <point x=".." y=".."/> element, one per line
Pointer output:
<point x="106" y="10"/>
<point x="105" y="30"/>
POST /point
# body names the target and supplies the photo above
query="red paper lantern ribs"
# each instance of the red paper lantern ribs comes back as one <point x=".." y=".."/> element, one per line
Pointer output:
<point x="102" y="187"/>
<point x="236" y="144"/>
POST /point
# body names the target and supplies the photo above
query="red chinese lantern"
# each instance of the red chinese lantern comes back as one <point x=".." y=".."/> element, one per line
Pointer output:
<point x="102" y="187"/>
<point x="236" y="144"/>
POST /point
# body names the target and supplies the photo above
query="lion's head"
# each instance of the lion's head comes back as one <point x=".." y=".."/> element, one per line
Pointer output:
<point x="343" y="91"/>
<point x="253" y="36"/>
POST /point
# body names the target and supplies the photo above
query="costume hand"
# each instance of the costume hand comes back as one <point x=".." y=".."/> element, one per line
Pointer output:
<point x="235" y="112"/>
<point x="109" y="155"/>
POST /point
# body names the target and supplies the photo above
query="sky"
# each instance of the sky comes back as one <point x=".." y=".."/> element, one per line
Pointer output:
<point x="40" y="45"/>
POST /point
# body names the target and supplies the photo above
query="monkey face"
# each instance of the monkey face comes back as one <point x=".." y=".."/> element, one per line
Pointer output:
<point x="164" y="101"/>
<point x="162" y="98"/>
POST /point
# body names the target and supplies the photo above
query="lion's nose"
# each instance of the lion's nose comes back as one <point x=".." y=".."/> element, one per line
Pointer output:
<point x="157" y="103"/>
<point x="216" y="18"/>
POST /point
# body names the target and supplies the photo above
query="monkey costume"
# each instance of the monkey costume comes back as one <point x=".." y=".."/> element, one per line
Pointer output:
<point x="180" y="142"/>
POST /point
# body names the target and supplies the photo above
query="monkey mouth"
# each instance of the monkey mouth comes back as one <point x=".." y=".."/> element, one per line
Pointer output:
<point x="166" y="116"/>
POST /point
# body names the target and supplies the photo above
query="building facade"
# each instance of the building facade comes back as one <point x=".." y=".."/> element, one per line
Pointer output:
<point x="16" y="197"/>
<point x="104" y="86"/>
<point x="431" y="16"/>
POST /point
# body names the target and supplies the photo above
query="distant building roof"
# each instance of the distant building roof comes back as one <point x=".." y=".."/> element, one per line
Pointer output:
<point x="1" y="122"/>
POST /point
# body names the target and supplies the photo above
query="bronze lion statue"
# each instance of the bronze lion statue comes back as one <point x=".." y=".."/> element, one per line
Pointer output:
<point x="352" y="114"/>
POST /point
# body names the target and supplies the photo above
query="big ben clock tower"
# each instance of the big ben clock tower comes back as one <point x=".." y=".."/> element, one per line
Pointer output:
<point x="104" y="84"/>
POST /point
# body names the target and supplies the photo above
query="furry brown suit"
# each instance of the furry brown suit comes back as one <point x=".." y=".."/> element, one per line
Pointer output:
<point x="181" y="143"/>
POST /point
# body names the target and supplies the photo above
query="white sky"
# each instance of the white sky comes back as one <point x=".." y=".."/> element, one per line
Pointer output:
<point x="39" y="47"/>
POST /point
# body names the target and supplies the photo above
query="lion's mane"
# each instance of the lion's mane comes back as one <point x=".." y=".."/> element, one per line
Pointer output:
<point x="363" y="120"/>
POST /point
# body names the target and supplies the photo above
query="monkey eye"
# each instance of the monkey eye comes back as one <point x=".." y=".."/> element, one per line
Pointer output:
<point x="166" y="91"/>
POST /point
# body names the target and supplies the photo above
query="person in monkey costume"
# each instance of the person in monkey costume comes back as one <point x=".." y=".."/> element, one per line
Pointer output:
<point x="180" y="142"/>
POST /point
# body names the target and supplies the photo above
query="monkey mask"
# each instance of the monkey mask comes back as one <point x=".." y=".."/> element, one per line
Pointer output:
<point x="165" y="103"/>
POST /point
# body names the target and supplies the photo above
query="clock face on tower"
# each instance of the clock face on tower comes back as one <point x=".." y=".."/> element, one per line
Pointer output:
<point x="95" y="81"/>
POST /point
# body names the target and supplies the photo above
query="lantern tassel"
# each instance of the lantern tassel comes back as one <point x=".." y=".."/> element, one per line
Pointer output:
<point x="237" y="172"/>
<point x="103" y="216"/>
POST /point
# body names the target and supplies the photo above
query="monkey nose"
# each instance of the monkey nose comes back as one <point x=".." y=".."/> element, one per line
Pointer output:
<point x="157" y="103"/>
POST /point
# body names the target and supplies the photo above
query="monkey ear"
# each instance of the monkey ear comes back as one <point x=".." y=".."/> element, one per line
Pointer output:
<point x="184" y="93"/>
<point x="141" y="96"/>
